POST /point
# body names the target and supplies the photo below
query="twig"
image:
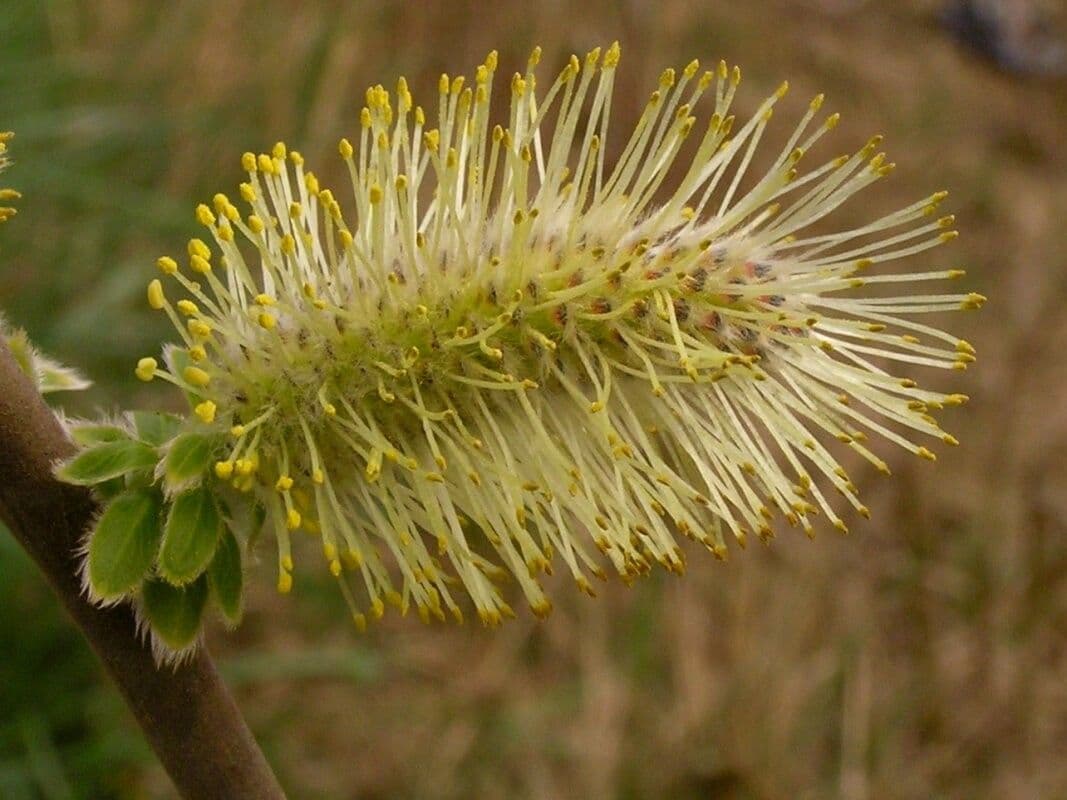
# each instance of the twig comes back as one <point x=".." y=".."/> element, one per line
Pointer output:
<point x="188" y="715"/>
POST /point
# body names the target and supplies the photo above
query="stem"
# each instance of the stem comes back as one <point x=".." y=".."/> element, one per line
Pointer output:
<point x="187" y="714"/>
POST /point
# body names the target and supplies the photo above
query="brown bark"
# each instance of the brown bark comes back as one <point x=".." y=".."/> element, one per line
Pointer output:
<point x="187" y="714"/>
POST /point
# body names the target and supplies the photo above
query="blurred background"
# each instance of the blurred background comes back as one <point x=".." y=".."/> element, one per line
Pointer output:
<point x="924" y="656"/>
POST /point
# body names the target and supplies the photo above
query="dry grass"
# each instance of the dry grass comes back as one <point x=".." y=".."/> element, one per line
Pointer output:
<point x="922" y="657"/>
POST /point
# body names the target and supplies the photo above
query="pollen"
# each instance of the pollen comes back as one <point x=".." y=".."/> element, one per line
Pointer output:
<point x="500" y="349"/>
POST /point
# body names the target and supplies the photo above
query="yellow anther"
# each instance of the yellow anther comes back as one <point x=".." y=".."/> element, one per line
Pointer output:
<point x="248" y="162"/>
<point x="238" y="430"/>
<point x="922" y="452"/>
<point x="199" y="328"/>
<point x="255" y="224"/>
<point x="375" y="194"/>
<point x="197" y="352"/>
<point x="266" y="321"/>
<point x="245" y="466"/>
<point x="146" y="369"/>
<point x="188" y="307"/>
<point x="204" y="215"/>
<point x="167" y="265"/>
<point x="200" y="264"/>
<point x="265" y="163"/>
<point x="318" y="477"/>
<point x="284" y="483"/>
<point x="196" y="376"/>
<point x="206" y="411"/>
<point x="265" y="300"/>
<point x="293" y="519"/>
<point x="872" y="145"/>
<point x="156" y="298"/>
<point x="285" y="582"/>
<point x="224" y="469"/>
<point x="344" y="147"/>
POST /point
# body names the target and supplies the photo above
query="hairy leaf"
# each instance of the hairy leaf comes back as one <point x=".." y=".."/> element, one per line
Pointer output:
<point x="107" y="460"/>
<point x="124" y="543"/>
<point x="155" y="427"/>
<point x="226" y="577"/>
<point x="187" y="459"/>
<point x="174" y="612"/>
<point x="190" y="536"/>
<point x="90" y="433"/>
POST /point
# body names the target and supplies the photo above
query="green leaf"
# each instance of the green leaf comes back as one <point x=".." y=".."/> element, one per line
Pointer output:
<point x="47" y="375"/>
<point x="155" y="427"/>
<point x="108" y="460"/>
<point x="19" y="345"/>
<point x="54" y="378"/>
<point x="190" y="536"/>
<point x="226" y="577"/>
<point x="124" y="543"/>
<point x="108" y="490"/>
<point x="175" y="612"/>
<point x="90" y="433"/>
<point x="187" y="459"/>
